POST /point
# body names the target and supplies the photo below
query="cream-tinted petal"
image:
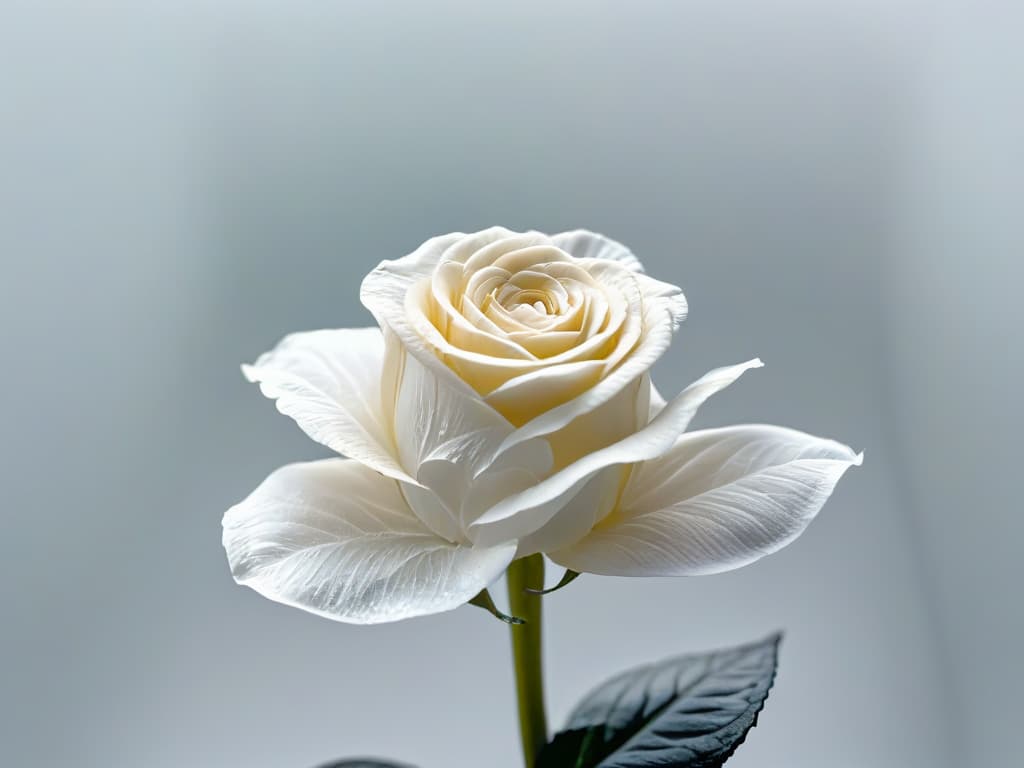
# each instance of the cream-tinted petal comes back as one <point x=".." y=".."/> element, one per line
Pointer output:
<point x="590" y="245"/>
<point x="385" y="292"/>
<point x="663" y="310"/>
<point x="544" y="388"/>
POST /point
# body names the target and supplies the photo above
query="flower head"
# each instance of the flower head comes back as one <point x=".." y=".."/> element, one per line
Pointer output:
<point x="504" y="407"/>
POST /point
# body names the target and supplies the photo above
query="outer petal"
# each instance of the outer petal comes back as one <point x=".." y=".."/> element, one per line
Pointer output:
<point x="447" y="439"/>
<point x="595" y="499"/>
<point x="385" y="289"/>
<point x="525" y="512"/>
<point x="336" y="539"/>
<point x="719" y="500"/>
<point x="584" y="244"/>
<point x="331" y="382"/>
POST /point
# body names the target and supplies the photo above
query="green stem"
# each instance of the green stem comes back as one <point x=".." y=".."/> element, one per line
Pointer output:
<point x="523" y="574"/>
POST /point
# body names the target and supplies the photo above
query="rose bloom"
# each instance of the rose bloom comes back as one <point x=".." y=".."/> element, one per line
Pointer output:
<point x="504" y="407"/>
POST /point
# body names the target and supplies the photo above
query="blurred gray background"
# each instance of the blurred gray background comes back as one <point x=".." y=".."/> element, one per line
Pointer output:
<point x="836" y="185"/>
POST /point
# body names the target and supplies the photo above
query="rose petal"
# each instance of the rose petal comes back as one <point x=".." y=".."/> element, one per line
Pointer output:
<point x="525" y="512"/>
<point x="664" y="309"/>
<point x="719" y="500"/>
<point x="501" y="248"/>
<point x="435" y="420"/>
<point x="610" y="422"/>
<point x="330" y="382"/>
<point x="448" y="439"/>
<point x="384" y="292"/>
<point x="588" y="506"/>
<point x="485" y="370"/>
<point x="658" y="402"/>
<point x="590" y="245"/>
<point x="613" y="298"/>
<point x="546" y="344"/>
<point x="519" y="398"/>
<point x="460" y="330"/>
<point x="336" y="539"/>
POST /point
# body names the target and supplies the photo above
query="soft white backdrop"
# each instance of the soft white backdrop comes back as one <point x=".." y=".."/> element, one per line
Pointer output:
<point x="836" y="186"/>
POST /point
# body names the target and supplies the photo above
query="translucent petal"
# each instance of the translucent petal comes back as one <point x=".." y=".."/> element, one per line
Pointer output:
<point x="333" y="382"/>
<point x="719" y="500"/>
<point x="525" y="512"/>
<point x="589" y="245"/>
<point x="335" y="538"/>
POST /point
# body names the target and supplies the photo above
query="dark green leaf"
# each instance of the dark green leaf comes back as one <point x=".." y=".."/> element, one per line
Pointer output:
<point x="364" y="762"/>
<point x="687" y="712"/>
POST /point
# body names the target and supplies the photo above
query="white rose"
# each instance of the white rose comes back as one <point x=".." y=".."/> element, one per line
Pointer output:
<point x="504" y="407"/>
